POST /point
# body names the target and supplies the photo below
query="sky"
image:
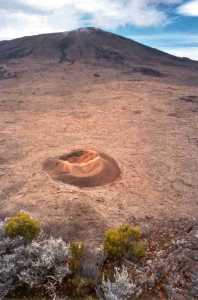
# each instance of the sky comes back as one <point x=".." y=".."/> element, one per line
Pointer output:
<point x="169" y="25"/>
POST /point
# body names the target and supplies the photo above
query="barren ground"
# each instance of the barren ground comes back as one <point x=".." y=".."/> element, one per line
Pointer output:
<point x="149" y="126"/>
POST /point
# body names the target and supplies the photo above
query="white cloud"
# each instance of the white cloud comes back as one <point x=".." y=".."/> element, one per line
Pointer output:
<point x="189" y="9"/>
<point x="137" y="13"/>
<point x="23" y="25"/>
<point x="47" y="4"/>
<point x="63" y="15"/>
<point x="190" y="52"/>
<point x="17" y="24"/>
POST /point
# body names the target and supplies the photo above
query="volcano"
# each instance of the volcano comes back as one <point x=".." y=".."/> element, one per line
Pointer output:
<point x="93" y="47"/>
<point x="88" y="45"/>
<point x="86" y="89"/>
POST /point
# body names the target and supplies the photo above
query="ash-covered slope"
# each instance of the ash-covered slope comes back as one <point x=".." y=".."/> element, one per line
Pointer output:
<point x="87" y="45"/>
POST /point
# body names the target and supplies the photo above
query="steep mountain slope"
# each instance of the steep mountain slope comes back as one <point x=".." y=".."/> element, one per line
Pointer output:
<point x="90" y="45"/>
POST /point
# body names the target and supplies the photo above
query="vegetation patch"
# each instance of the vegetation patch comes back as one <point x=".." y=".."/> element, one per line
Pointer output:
<point x="33" y="264"/>
<point x="22" y="224"/>
<point x="76" y="254"/>
<point x="124" y="241"/>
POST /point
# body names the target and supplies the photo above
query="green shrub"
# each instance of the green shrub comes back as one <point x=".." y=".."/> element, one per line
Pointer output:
<point x="22" y="224"/>
<point x="136" y="232"/>
<point x="113" y="243"/>
<point x="120" y="241"/>
<point x="138" y="249"/>
<point x="76" y="254"/>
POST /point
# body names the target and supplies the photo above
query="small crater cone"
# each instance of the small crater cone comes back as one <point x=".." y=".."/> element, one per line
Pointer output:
<point x="83" y="168"/>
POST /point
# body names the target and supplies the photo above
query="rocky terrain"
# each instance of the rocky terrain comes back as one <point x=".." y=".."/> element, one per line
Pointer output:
<point x="89" y="89"/>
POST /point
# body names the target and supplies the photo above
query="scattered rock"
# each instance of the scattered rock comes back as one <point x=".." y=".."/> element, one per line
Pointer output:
<point x="96" y="75"/>
<point x="5" y="73"/>
<point x="148" y="72"/>
<point x="189" y="99"/>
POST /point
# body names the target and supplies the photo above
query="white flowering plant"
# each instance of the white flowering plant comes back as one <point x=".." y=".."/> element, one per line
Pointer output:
<point x="121" y="288"/>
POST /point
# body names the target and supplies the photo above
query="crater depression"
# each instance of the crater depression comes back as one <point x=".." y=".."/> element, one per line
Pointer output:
<point x="83" y="168"/>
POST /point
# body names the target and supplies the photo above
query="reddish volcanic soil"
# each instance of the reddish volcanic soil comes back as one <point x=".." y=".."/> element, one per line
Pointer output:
<point x="83" y="168"/>
<point x="147" y="123"/>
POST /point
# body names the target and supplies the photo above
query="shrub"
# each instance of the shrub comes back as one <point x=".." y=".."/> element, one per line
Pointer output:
<point x="121" y="288"/>
<point x="138" y="249"/>
<point x="76" y="251"/>
<point x="120" y="241"/>
<point x="34" y="264"/>
<point x="113" y="244"/>
<point x="22" y="224"/>
<point x="136" y="232"/>
<point x="43" y="259"/>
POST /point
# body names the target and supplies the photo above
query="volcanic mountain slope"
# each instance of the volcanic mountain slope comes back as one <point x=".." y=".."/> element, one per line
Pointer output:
<point x="94" y="47"/>
<point x="92" y="90"/>
<point x="87" y="44"/>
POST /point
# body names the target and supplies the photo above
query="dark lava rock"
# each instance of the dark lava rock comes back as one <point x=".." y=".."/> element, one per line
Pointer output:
<point x="190" y="99"/>
<point x="148" y="72"/>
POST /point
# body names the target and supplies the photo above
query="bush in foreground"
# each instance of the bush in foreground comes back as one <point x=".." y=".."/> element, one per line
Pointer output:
<point x="31" y="264"/>
<point x="52" y="266"/>
<point x="43" y="267"/>
<point x="124" y="241"/>
<point x="22" y="224"/>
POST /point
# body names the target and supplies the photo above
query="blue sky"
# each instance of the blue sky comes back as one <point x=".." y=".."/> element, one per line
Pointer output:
<point x="169" y="25"/>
